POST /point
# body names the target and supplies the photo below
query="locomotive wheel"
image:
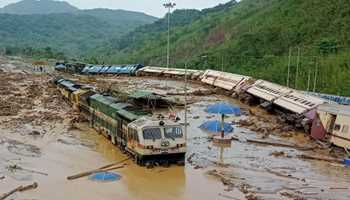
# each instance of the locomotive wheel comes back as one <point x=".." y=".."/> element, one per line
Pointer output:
<point x="113" y="140"/>
<point x="139" y="161"/>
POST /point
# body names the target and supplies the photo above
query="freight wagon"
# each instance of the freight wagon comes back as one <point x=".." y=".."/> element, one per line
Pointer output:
<point x="268" y="91"/>
<point x="286" y="98"/>
<point x="171" y="72"/>
<point x="224" y="80"/>
<point x="298" y="102"/>
<point x="132" y="129"/>
<point x="130" y="69"/>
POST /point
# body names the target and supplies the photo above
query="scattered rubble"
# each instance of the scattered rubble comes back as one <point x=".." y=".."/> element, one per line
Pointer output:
<point x="20" y="148"/>
<point x="15" y="167"/>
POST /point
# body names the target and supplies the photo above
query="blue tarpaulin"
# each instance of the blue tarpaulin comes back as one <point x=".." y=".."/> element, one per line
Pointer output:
<point x="224" y="108"/>
<point x="105" y="176"/>
<point x="215" y="127"/>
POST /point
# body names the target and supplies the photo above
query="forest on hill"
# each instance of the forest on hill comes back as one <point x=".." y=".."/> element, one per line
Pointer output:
<point x="253" y="37"/>
<point x="32" y="25"/>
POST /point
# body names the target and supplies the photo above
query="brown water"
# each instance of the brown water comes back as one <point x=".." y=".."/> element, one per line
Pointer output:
<point x="60" y="160"/>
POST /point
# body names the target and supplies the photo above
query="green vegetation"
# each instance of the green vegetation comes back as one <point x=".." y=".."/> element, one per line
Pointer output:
<point x="27" y="7"/>
<point x="253" y="37"/>
<point x="71" y="31"/>
<point x="42" y="53"/>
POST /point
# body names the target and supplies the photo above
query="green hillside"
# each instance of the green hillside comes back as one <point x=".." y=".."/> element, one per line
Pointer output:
<point x="253" y="37"/>
<point x="27" y="7"/>
<point x="72" y="33"/>
<point x="38" y="25"/>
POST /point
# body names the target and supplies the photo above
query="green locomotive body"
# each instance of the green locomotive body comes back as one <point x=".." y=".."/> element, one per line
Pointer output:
<point x="130" y="128"/>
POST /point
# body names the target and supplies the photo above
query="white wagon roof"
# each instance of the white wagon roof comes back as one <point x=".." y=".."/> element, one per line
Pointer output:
<point x="335" y="109"/>
<point x="268" y="91"/>
<point x="223" y="80"/>
<point x="298" y="102"/>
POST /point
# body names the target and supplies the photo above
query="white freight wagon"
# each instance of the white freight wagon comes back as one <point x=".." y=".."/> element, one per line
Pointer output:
<point x="268" y="91"/>
<point x="171" y="72"/>
<point x="298" y="102"/>
<point x="150" y="71"/>
<point x="224" y="80"/>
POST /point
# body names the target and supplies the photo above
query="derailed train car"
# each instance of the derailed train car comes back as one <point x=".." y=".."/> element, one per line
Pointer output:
<point x="80" y="68"/>
<point x="291" y="104"/>
<point x="227" y="81"/>
<point x="169" y="72"/>
<point x="286" y="98"/>
<point x="332" y="120"/>
<point x="133" y="130"/>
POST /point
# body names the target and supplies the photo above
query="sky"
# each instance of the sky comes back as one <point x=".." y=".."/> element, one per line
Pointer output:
<point x="151" y="7"/>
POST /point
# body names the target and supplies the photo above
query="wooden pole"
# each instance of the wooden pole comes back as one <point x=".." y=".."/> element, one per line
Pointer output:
<point x="316" y="74"/>
<point x="186" y="118"/>
<point x="289" y="63"/>
<point x="5" y="195"/>
<point x="308" y="80"/>
<point x="101" y="169"/>
<point x="88" y="173"/>
<point x="322" y="158"/>
<point x="297" y="70"/>
<point x="18" y="189"/>
<point x="222" y="126"/>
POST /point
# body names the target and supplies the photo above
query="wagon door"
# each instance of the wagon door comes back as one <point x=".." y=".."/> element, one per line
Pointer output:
<point x="331" y="123"/>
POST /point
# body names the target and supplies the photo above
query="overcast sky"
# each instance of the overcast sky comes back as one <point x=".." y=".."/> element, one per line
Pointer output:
<point x="152" y="7"/>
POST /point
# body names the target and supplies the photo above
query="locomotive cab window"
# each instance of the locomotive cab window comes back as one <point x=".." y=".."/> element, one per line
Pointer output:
<point x="152" y="134"/>
<point x="173" y="132"/>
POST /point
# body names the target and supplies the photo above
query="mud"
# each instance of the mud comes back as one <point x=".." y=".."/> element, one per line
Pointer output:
<point x="40" y="133"/>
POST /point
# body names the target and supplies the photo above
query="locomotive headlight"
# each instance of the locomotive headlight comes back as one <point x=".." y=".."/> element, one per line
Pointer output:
<point x="165" y="143"/>
<point x="180" y="145"/>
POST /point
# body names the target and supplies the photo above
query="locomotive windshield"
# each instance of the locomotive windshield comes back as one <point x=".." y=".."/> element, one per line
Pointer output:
<point x="152" y="134"/>
<point x="173" y="132"/>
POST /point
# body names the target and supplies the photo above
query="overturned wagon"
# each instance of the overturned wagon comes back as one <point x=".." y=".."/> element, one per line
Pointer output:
<point x="332" y="120"/>
<point x="169" y="72"/>
<point x="130" y="69"/>
<point x="224" y="80"/>
<point x="292" y="105"/>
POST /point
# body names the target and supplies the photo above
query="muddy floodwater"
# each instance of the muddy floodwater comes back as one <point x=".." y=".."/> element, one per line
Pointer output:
<point x="39" y="143"/>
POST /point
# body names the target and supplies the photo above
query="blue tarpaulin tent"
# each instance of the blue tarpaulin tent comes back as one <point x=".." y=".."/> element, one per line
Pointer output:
<point x="224" y="108"/>
<point x="215" y="127"/>
<point x="105" y="176"/>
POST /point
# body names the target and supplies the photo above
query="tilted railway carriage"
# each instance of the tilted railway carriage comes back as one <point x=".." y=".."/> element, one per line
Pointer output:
<point x="133" y="130"/>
